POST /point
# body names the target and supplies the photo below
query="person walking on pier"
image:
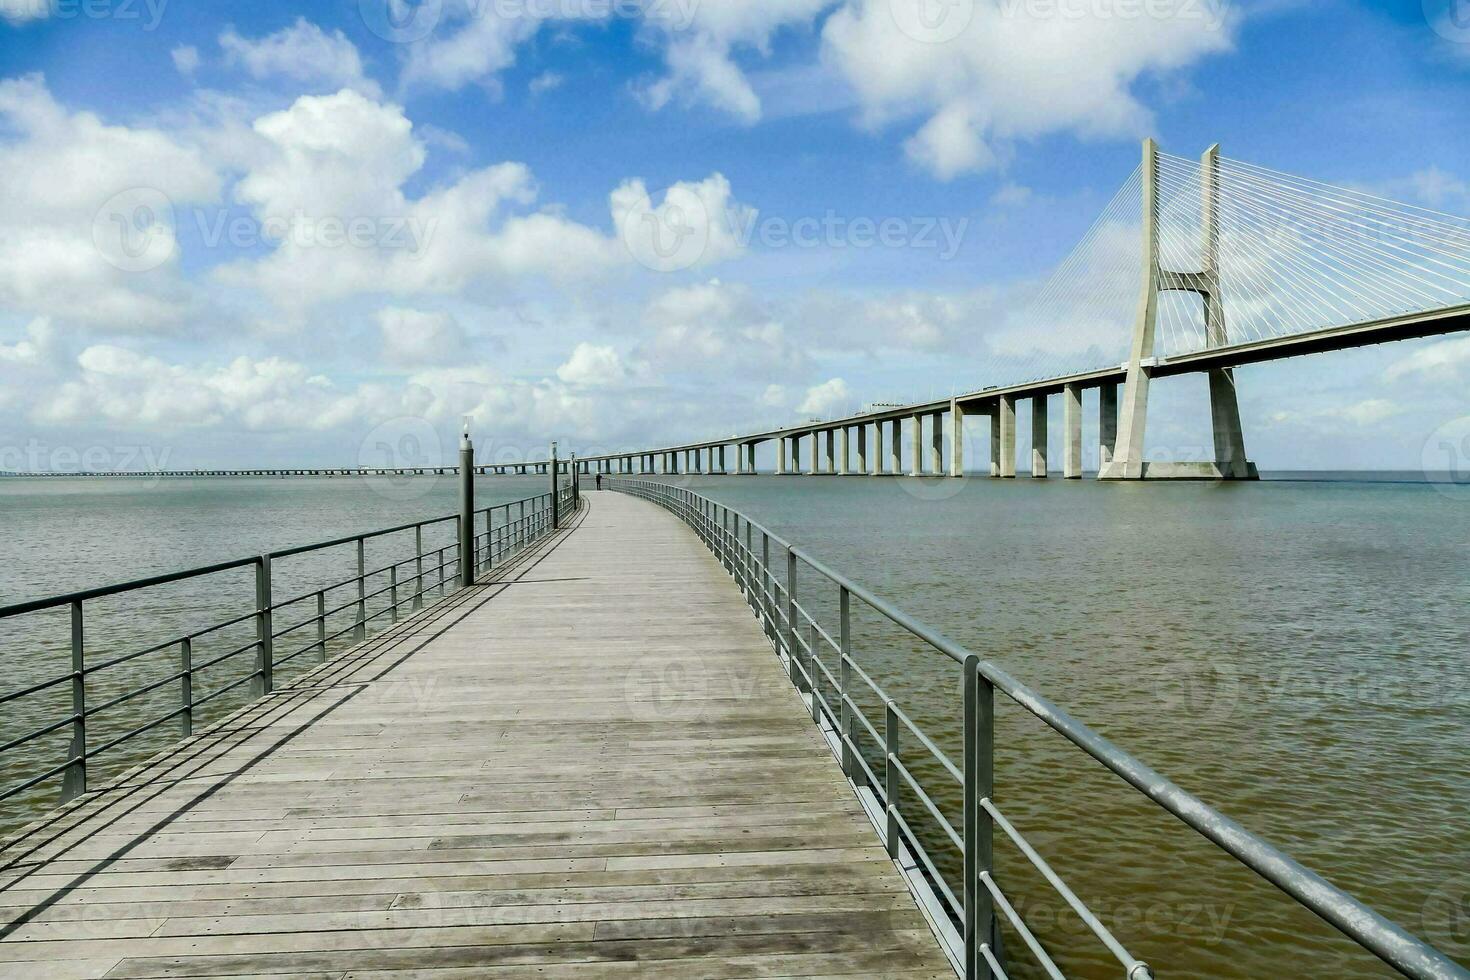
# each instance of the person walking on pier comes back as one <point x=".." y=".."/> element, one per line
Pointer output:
<point x="599" y="481"/>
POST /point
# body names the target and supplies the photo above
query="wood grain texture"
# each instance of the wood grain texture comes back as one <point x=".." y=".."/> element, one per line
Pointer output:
<point x="590" y="764"/>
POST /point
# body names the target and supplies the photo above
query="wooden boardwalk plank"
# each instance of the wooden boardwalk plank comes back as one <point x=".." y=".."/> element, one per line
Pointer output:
<point x="591" y="765"/>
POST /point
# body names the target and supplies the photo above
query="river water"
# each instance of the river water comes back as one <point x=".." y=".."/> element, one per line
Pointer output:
<point x="1294" y="652"/>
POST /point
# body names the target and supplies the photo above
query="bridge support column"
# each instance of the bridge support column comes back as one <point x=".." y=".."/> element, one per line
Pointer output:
<point x="862" y="448"/>
<point x="780" y="456"/>
<point x="994" y="412"/>
<point x="1107" y="423"/>
<point x="842" y="451"/>
<point x="956" y="438"/>
<point x="895" y="447"/>
<point x="916" y="465"/>
<point x="936" y="444"/>
<point x="1127" y="461"/>
<point x="1006" y="430"/>
<point x="831" y="466"/>
<point x="1038" y="437"/>
<point x="1072" y="441"/>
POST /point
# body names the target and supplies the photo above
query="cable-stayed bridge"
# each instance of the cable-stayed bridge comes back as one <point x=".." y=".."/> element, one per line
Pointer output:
<point x="1193" y="267"/>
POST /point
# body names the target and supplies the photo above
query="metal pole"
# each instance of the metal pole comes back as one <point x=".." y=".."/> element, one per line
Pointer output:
<point x="979" y="702"/>
<point x="791" y="616"/>
<point x="844" y="673"/>
<point x="186" y="687"/>
<point x="418" y="582"/>
<point x="467" y="567"/>
<point x="360" y="633"/>
<point x="555" y="504"/>
<point x="321" y="625"/>
<point x="74" y="779"/>
<point x="890" y="775"/>
<point x="265" y="653"/>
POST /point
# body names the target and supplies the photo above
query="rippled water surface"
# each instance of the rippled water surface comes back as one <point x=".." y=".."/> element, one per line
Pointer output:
<point x="1292" y="652"/>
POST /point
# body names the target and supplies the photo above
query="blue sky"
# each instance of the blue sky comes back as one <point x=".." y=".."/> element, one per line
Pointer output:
<point x="513" y="132"/>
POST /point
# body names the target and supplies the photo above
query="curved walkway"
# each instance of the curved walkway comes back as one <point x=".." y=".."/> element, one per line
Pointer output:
<point x="591" y="766"/>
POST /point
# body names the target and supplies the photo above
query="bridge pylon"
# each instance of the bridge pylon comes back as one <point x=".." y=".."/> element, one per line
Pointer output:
<point x="1230" y="462"/>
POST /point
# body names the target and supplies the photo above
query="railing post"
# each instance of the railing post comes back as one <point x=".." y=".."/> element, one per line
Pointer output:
<point x="418" y="556"/>
<point x="186" y="687"/>
<point x="555" y="504"/>
<point x="844" y="673"/>
<point x="979" y="701"/>
<point x="393" y="592"/>
<point x="74" y="778"/>
<point x="490" y="539"/>
<point x="321" y="625"/>
<point x="360" y="632"/>
<point x="440" y="563"/>
<point x="467" y="569"/>
<point x="812" y="682"/>
<point x="265" y="648"/>
<point x="768" y="612"/>
<point x="791" y="617"/>
<point x="890" y="775"/>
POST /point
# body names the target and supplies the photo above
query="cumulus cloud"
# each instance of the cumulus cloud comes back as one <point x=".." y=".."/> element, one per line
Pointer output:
<point x="21" y="11"/>
<point x="302" y="53"/>
<point x="1011" y="71"/>
<point x="186" y="59"/>
<point x="87" y="212"/>
<point x="829" y="399"/>
<point x="593" y="365"/>
<point x="341" y="161"/>
<point x="715" y="323"/>
<point x="415" y="337"/>
<point x="1442" y="361"/>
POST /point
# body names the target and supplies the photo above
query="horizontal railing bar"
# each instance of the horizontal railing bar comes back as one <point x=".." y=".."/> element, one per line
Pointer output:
<point x="226" y="689"/>
<point x="37" y="780"/>
<point x="205" y="665"/>
<point x="129" y="695"/>
<point x="92" y="753"/>
<point x="1130" y="964"/>
<point x="956" y="907"/>
<point x="36" y="688"/>
<point x="354" y="538"/>
<point x="928" y="744"/>
<point x="1019" y="924"/>
<point x="54" y="726"/>
<point x="102" y="591"/>
<point x="929" y="804"/>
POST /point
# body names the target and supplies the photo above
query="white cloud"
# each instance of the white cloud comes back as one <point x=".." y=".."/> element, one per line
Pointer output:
<point x="80" y="202"/>
<point x="1443" y="360"/>
<point x="697" y="224"/>
<point x="1015" y="71"/>
<point x="347" y="157"/>
<point x="302" y="53"/>
<point x="592" y="365"/>
<point x="546" y="82"/>
<point x="21" y="11"/>
<point x="700" y="41"/>
<point x="830" y="399"/>
<point x="413" y="337"/>
<point x="1011" y="195"/>
<point x="482" y="47"/>
<point x="718" y="324"/>
<point x="186" y="59"/>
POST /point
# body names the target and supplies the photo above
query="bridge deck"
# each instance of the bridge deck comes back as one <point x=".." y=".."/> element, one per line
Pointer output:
<point x="590" y="767"/>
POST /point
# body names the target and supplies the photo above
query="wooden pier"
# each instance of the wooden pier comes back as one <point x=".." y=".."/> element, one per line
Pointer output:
<point x="569" y="770"/>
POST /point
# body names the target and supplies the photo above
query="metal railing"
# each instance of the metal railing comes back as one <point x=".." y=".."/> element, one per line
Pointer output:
<point x="403" y="585"/>
<point x="766" y="568"/>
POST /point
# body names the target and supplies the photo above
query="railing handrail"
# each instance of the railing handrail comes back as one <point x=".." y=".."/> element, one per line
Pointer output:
<point x="1371" y="930"/>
